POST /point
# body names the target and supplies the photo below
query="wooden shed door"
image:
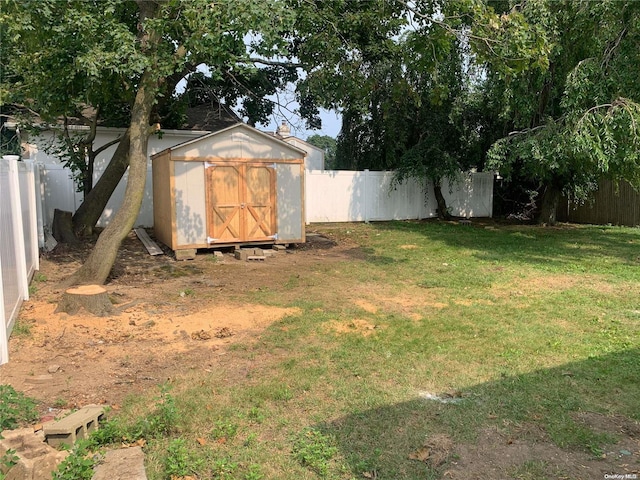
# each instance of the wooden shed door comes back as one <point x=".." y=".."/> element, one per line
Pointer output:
<point x="241" y="203"/>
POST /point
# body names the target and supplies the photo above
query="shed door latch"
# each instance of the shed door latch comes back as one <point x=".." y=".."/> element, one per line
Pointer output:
<point x="211" y="240"/>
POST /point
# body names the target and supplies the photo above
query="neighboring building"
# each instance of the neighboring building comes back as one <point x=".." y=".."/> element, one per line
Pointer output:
<point x="315" y="156"/>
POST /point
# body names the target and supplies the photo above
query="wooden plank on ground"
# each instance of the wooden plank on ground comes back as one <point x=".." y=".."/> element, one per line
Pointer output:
<point x="151" y="246"/>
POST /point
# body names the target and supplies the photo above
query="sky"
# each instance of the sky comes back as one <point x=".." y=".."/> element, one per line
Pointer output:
<point x="286" y="108"/>
<point x="331" y="124"/>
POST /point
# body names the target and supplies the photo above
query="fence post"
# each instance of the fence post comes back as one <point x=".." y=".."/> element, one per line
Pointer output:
<point x="39" y="202"/>
<point x="18" y="235"/>
<point x="30" y="168"/>
<point x="365" y="210"/>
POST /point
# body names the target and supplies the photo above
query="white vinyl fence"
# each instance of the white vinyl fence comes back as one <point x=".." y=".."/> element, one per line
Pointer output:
<point x="349" y="196"/>
<point x="19" y="241"/>
<point x="331" y="196"/>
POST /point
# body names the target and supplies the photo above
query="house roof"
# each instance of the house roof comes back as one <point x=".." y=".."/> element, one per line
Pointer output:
<point x="210" y="117"/>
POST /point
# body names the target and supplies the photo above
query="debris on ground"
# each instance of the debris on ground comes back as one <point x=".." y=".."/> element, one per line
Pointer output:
<point x="435" y="451"/>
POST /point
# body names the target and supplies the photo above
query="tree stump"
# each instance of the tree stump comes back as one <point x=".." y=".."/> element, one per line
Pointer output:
<point x="93" y="298"/>
<point x="62" y="227"/>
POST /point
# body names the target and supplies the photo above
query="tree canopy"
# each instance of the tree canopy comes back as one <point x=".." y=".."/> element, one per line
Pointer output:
<point x="424" y="87"/>
<point x="573" y="115"/>
<point x="94" y="51"/>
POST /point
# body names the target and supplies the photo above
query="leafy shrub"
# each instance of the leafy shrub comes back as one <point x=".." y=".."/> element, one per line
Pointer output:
<point x="78" y="465"/>
<point x="15" y="408"/>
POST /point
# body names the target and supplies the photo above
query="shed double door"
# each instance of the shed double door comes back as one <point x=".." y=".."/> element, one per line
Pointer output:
<point x="240" y="202"/>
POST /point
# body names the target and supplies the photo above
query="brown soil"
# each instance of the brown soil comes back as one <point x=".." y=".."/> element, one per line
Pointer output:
<point x="169" y="317"/>
<point x="502" y="456"/>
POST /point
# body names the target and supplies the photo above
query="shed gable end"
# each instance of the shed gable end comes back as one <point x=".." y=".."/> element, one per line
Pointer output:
<point x="236" y="143"/>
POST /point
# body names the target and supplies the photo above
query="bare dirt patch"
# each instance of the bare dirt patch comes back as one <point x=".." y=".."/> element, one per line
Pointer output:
<point x="500" y="455"/>
<point x="170" y="317"/>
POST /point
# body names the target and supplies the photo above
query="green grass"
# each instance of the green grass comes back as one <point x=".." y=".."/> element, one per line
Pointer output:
<point x="524" y="325"/>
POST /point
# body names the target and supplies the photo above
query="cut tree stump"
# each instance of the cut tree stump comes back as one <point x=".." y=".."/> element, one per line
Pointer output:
<point x="62" y="227"/>
<point x="93" y="298"/>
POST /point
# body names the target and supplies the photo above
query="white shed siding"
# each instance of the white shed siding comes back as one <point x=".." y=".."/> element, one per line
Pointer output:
<point x="190" y="203"/>
<point x="290" y="209"/>
<point x="237" y="142"/>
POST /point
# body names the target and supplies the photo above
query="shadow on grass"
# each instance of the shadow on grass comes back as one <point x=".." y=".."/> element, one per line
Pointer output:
<point x="551" y="403"/>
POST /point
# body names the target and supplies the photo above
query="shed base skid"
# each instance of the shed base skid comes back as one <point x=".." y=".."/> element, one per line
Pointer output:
<point x="190" y="252"/>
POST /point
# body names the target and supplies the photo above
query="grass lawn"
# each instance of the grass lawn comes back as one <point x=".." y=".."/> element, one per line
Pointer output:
<point x="430" y="330"/>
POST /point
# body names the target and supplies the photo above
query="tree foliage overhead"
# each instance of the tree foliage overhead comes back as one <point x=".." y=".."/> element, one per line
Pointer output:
<point x="96" y="50"/>
<point x="573" y="115"/>
<point x="427" y="90"/>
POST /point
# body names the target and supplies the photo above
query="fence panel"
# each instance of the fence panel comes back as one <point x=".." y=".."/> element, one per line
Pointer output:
<point x="59" y="191"/>
<point x="618" y="206"/>
<point x="349" y="196"/>
<point x="27" y="185"/>
<point x="471" y="195"/>
<point x="16" y="261"/>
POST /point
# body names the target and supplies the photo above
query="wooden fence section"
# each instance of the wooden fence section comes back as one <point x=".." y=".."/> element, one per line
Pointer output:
<point x="610" y="204"/>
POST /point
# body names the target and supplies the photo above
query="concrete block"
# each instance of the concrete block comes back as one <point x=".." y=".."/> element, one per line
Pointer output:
<point x="256" y="258"/>
<point x="279" y="248"/>
<point x="268" y="253"/>
<point x="186" y="254"/>
<point x="36" y="460"/>
<point x="218" y="254"/>
<point x="123" y="464"/>
<point x="77" y="425"/>
<point x="242" y="254"/>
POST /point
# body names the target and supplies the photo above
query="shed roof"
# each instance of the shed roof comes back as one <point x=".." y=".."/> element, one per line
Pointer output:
<point x="240" y="126"/>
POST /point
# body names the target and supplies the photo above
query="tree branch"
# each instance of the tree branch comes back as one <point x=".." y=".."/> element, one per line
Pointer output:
<point x="102" y="148"/>
<point x="276" y="63"/>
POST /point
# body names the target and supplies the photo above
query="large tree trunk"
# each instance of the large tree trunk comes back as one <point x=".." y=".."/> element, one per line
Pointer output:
<point x="443" y="210"/>
<point x="95" y="202"/>
<point x="549" y="205"/>
<point x="98" y="265"/>
<point x="62" y="227"/>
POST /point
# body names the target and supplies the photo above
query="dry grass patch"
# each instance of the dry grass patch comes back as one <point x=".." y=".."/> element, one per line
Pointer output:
<point x="356" y="325"/>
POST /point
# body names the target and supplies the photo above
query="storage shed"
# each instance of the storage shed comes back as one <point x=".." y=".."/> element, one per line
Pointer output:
<point x="235" y="186"/>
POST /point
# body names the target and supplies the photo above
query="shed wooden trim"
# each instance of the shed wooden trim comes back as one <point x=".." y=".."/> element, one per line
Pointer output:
<point x="172" y="190"/>
<point x="190" y="246"/>
<point x="257" y="161"/>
